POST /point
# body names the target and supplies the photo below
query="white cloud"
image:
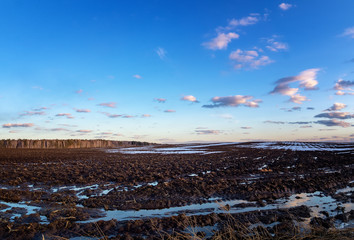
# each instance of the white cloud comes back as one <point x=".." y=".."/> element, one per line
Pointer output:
<point x="221" y="41"/>
<point x="285" y="6"/>
<point x="297" y="98"/>
<point x="276" y="46"/>
<point x="336" y="107"/>
<point x="245" y="21"/>
<point x="137" y="76"/>
<point x="249" y="59"/>
<point x="349" y="32"/>
<point x="233" y="101"/>
<point x="161" y="52"/>
<point x="189" y="98"/>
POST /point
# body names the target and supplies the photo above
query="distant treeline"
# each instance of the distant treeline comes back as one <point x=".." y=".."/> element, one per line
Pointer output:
<point x="67" y="143"/>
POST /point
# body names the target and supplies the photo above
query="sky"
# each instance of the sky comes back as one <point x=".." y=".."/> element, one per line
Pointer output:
<point x="177" y="71"/>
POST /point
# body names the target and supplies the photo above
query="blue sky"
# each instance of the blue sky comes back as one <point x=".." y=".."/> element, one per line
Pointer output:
<point x="177" y="71"/>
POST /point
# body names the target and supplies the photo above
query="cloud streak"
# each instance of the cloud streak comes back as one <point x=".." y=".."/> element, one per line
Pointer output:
<point x="16" y="125"/>
<point x="333" y="123"/>
<point x="67" y="115"/>
<point x="339" y="115"/>
<point x="108" y="104"/>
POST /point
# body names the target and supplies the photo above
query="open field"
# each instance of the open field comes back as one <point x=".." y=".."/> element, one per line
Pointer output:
<point x="274" y="190"/>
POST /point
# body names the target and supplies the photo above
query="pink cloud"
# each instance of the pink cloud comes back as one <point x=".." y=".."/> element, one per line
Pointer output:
<point x="79" y="91"/>
<point x="170" y="111"/>
<point x="10" y="125"/>
<point x="67" y="115"/>
<point x="83" y="110"/>
<point x="137" y="76"/>
<point x="190" y="98"/>
<point x="108" y="104"/>
<point x="30" y="113"/>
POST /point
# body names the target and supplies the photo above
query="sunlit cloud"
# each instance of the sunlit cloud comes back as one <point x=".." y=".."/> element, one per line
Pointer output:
<point x="160" y="100"/>
<point x="83" y="110"/>
<point x="333" y="123"/>
<point x="146" y="115"/>
<point x="349" y="32"/>
<point x="128" y="116"/>
<point x="169" y="111"/>
<point x="336" y="107"/>
<point x="306" y="79"/>
<point x="233" y="101"/>
<point x="16" y="125"/>
<point x="285" y="6"/>
<point x="108" y="104"/>
<point x="339" y="115"/>
<point x="249" y="59"/>
<point x="297" y="98"/>
<point x="161" y="52"/>
<point x="137" y="76"/>
<point x="67" y="115"/>
<point x="343" y="87"/>
<point x="189" y="98"/>
<point x="221" y="41"/>
<point x="79" y="91"/>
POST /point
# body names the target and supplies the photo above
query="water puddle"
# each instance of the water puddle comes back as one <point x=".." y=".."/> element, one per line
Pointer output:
<point x="316" y="201"/>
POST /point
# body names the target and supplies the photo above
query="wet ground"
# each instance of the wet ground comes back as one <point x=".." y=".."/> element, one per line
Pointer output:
<point x="143" y="192"/>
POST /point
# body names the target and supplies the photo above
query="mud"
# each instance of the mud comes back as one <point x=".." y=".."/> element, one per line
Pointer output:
<point x="65" y="192"/>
